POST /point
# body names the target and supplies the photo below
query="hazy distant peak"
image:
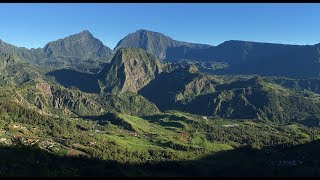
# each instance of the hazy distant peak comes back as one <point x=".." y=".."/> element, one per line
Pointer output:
<point x="82" y="44"/>
<point x="154" y="42"/>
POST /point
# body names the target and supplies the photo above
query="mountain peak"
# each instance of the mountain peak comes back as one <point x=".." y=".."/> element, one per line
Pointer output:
<point x="153" y="42"/>
<point x="148" y="31"/>
<point x="82" y="44"/>
<point x="86" y="35"/>
<point x="85" y="32"/>
<point x="141" y="30"/>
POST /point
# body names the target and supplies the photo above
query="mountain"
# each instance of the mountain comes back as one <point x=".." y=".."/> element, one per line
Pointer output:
<point x="129" y="70"/>
<point x="81" y="45"/>
<point x="154" y="43"/>
<point x="80" y="51"/>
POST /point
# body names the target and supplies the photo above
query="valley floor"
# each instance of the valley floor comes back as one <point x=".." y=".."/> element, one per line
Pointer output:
<point x="166" y="144"/>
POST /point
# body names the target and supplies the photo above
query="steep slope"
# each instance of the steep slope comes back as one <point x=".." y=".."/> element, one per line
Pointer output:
<point x="154" y="43"/>
<point x="130" y="103"/>
<point x="16" y="71"/>
<point x="180" y="85"/>
<point x="129" y="70"/>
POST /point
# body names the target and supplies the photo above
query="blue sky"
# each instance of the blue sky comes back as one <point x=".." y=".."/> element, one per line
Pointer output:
<point x="33" y="25"/>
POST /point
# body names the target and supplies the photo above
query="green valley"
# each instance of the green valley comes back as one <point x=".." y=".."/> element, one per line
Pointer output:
<point x="150" y="108"/>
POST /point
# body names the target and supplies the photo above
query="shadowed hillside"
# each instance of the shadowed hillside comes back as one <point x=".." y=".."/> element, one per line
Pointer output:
<point x="70" y="78"/>
<point x="301" y="160"/>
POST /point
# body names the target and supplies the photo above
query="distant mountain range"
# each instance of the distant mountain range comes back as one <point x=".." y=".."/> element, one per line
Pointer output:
<point x="267" y="59"/>
<point x="83" y="52"/>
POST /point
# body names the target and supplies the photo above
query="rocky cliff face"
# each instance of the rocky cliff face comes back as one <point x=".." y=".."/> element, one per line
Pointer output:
<point x="129" y="70"/>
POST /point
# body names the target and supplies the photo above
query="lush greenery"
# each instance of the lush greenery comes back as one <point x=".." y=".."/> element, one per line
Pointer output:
<point x="138" y="116"/>
<point x="148" y="145"/>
